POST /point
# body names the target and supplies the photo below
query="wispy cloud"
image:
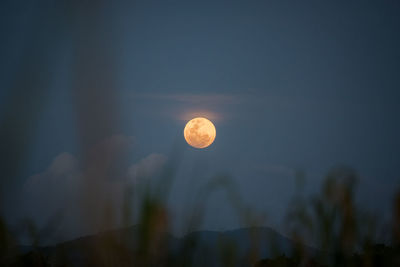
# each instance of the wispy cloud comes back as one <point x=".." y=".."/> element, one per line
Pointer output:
<point x="226" y="99"/>
<point x="215" y="106"/>
<point x="184" y="106"/>
<point x="209" y="99"/>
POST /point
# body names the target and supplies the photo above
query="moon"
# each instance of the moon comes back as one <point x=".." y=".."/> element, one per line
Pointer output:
<point x="199" y="132"/>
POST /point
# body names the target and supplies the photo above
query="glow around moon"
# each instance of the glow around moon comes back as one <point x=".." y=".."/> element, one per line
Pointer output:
<point x="199" y="132"/>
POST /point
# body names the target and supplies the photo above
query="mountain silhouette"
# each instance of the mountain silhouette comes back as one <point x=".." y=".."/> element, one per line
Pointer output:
<point x="200" y="248"/>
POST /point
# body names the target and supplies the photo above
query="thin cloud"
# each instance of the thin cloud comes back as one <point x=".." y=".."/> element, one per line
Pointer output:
<point x="214" y="106"/>
<point x="208" y="99"/>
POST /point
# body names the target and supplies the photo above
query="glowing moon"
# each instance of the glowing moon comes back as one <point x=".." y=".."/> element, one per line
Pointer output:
<point x="199" y="132"/>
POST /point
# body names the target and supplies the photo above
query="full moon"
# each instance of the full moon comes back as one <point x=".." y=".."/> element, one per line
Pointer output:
<point x="199" y="132"/>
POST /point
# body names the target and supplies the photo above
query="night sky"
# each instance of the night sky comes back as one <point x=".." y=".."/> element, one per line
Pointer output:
<point x="290" y="86"/>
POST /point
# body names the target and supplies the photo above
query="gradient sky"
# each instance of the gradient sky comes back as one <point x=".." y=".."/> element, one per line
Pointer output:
<point x="290" y="86"/>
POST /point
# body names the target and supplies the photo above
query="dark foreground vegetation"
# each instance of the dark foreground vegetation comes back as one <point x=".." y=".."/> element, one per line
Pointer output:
<point x="373" y="255"/>
<point x="340" y="234"/>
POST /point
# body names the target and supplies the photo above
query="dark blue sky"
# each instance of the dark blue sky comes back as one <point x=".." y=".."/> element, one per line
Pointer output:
<point x="290" y="86"/>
